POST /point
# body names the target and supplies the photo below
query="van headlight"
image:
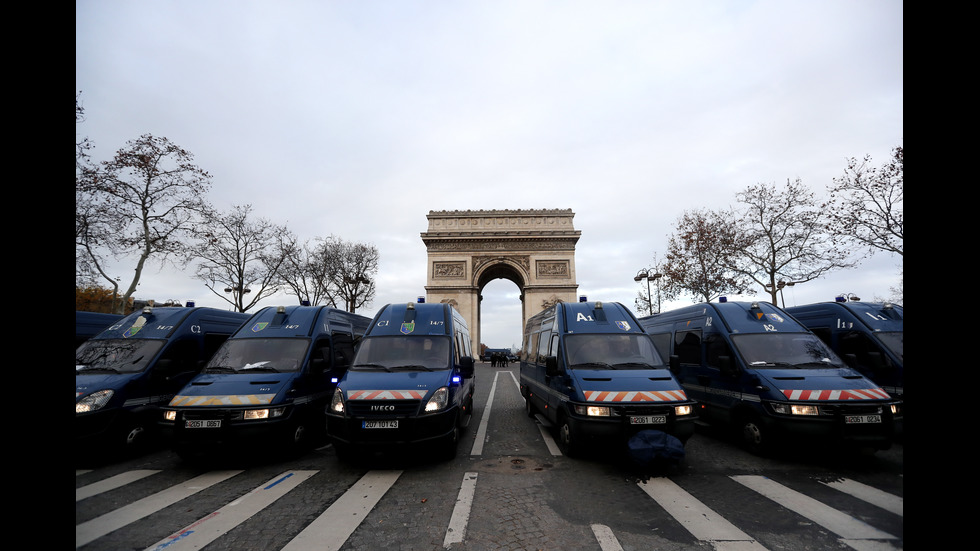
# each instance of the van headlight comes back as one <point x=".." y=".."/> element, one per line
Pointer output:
<point x="680" y="411"/>
<point x="337" y="402"/>
<point x="439" y="400"/>
<point x="258" y="414"/>
<point x="592" y="411"/>
<point x="796" y="409"/>
<point x="93" y="402"/>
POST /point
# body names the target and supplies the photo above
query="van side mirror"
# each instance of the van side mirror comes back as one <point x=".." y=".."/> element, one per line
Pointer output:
<point x="551" y="366"/>
<point x="466" y="366"/>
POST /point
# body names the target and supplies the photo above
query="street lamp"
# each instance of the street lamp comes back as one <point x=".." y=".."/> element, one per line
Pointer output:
<point x="237" y="292"/>
<point x="779" y="287"/>
<point x="643" y="274"/>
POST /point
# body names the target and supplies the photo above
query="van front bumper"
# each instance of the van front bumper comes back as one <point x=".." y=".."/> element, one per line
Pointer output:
<point x="620" y="424"/>
<point x="411" y="430"/>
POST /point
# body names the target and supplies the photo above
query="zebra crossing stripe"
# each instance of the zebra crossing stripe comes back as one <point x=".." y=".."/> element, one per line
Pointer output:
<point x="331" y="529"/>
<point x="874" y="496"/>
<point x="845" y="526"/>
<point x="703" y="523"/>
<point x="91" y="530"/>
<point x="220" y="522"/>
<point x="111" y="483"/>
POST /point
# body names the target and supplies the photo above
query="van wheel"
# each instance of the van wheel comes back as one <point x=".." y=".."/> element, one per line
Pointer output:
<point x="450" y="445"/>
<point x="528" y="407"/>
<point x="567" y="438"/>
<point x="753" y="436"/>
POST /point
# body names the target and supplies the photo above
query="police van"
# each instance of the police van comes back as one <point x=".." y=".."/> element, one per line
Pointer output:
<point x="126" y="372"/>
<point x="869" y="336"/>
<point x="754" y="368"/>
<point x="267" y="387"/>
<point x="411" y="383"/>
<point x="593" y="373"/>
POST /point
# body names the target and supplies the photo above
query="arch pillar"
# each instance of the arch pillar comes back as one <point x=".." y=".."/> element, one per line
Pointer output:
<point x="467" y="249"/>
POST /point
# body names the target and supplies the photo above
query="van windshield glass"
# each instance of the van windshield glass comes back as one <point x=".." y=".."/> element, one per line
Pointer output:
<point x="402" y="353"/>
<point x="116" y="355"/>
<point x="255" y="355"/>
<point x="605" y="351"/>
<point x="895" y="341"/>
<point x="782" y="350"/>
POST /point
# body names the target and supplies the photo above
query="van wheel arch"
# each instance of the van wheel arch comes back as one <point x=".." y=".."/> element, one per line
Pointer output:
<point x="567" y="436"/>
<point x="751" y="432"/>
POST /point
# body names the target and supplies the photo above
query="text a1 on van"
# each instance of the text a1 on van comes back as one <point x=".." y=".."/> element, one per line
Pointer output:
<point x="124" y="374"/>
<point x="869" y="336"/>
<point x="754" y="368"/>
<point x="411" y="383"/>
<point x="589" y="368"/>
<point x="266" y="389"/>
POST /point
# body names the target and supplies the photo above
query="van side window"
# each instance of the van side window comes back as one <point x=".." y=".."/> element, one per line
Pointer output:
<point x="662" y="343"/>
<point x="861" y="346"/>
<point x="687" y="346"/>
<point x="714" y="347"/>
<point x="544" y="341"/>
<point x="183" y="356"/>
<point x="343" y="350"/>
<point x="212" y="342"/>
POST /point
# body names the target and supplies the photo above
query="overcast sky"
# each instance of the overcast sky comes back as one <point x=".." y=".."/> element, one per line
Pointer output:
<point x="356" y="118"/>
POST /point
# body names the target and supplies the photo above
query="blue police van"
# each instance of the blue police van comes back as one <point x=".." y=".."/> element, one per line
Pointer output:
<point x="125" y="373"/>
<point x="593" y="373"/>
<point x="754" y="368"/>
<point x="411" y="384"/>
<point x="869" y="336"/>
<point x="267" y="387"/>
<point x="90" y="324"/>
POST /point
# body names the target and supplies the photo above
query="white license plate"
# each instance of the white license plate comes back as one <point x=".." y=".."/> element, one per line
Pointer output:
<point x="392" y="424"/>
<point x="855" y="419"/>
<point x="206" y="424"/>
<point x="648" y="420"/>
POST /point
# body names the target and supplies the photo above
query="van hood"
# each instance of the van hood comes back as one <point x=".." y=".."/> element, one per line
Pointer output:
<point x="86" y="383"/>
<point x="246" y="389"/>
<point x="821" y="384"/>
<point x="378" y="385"/>
<point x="646" y="385"/>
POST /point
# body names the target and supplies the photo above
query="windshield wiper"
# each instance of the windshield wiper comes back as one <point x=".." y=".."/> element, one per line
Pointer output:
<point x="412" y="366"/>
<point x="260" y="368"/>
<point x="98" y="368"/>
<point x="370" y="366"/>
<point x="220" y="369"/>
<point x="641" y="364"/>
<point x="601" y="365"/>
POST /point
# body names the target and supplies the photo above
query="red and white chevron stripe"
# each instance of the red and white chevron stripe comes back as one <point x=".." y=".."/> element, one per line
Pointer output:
<point x="635" y="395"/>
<point x="385" y="395"/>
<point x="846" y="394"/>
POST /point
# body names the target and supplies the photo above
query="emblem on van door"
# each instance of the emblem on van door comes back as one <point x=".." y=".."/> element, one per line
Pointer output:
<point x="408" y="328"/>
<point x="623" y="325"/>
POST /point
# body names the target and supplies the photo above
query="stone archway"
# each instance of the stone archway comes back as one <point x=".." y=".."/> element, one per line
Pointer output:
<point x="535" y="249"/>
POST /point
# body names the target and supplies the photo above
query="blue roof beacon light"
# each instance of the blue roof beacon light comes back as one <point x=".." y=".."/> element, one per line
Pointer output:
<point x="722" y="299"/>
<point x="583" y="298"/>
<point x="421" y="300"/>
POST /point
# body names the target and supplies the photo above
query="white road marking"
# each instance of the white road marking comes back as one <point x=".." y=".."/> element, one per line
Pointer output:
<point x="461" y="512"/>
<point x="112" y="483"/>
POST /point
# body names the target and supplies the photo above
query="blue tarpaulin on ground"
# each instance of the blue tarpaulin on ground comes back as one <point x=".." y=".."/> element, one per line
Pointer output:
<point x="653" y="446"/>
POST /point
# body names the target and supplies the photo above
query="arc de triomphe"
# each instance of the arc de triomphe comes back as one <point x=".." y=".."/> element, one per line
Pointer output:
<point x="467" y="249"/>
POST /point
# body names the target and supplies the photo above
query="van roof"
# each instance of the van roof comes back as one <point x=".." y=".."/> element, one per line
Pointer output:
<point x="158" y="323"/>
<point x="598" y="317"/>
<point x="298" y="321"/>
<point x="409" y="318"/>
<point x="738" y="317"/>
<point x="877" y="316"/>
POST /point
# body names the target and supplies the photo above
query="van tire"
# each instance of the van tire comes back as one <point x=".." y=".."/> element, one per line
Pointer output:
<point x="567" y="438"/>
<point x="529" y="407"/>
<point x="753" y="435"/>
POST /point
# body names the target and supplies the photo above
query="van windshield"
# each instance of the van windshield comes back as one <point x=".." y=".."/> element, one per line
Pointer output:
<point x="782" y="350"/>
<point x="607" y="351"/>
<point x="402" y="353"/>
<point x="254" y="355"/>
<point x="116" y="355"/>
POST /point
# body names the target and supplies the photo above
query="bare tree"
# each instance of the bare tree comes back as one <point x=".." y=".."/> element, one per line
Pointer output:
<point x="305" y="274"/>
<point x="867" y="204"/>
<point x="785" y="237"/>
<point x="351" y="268"/>
<point x="141" y="204"/>
<point x="698" y="260"/>
<point x="239" y="258"/>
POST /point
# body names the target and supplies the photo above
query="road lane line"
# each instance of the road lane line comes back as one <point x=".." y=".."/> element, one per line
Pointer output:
<point x="703" y="523"/>
<point x="112" y="483"/>
<point x="91" y="530"/>
<point x="332" y="528"/>
<point x="461" y="512"/>
<point x="845" y="526"/>
<point x="874" y="496"/>
<point x="220" y="522"/>
<point x="481" y="433"/>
